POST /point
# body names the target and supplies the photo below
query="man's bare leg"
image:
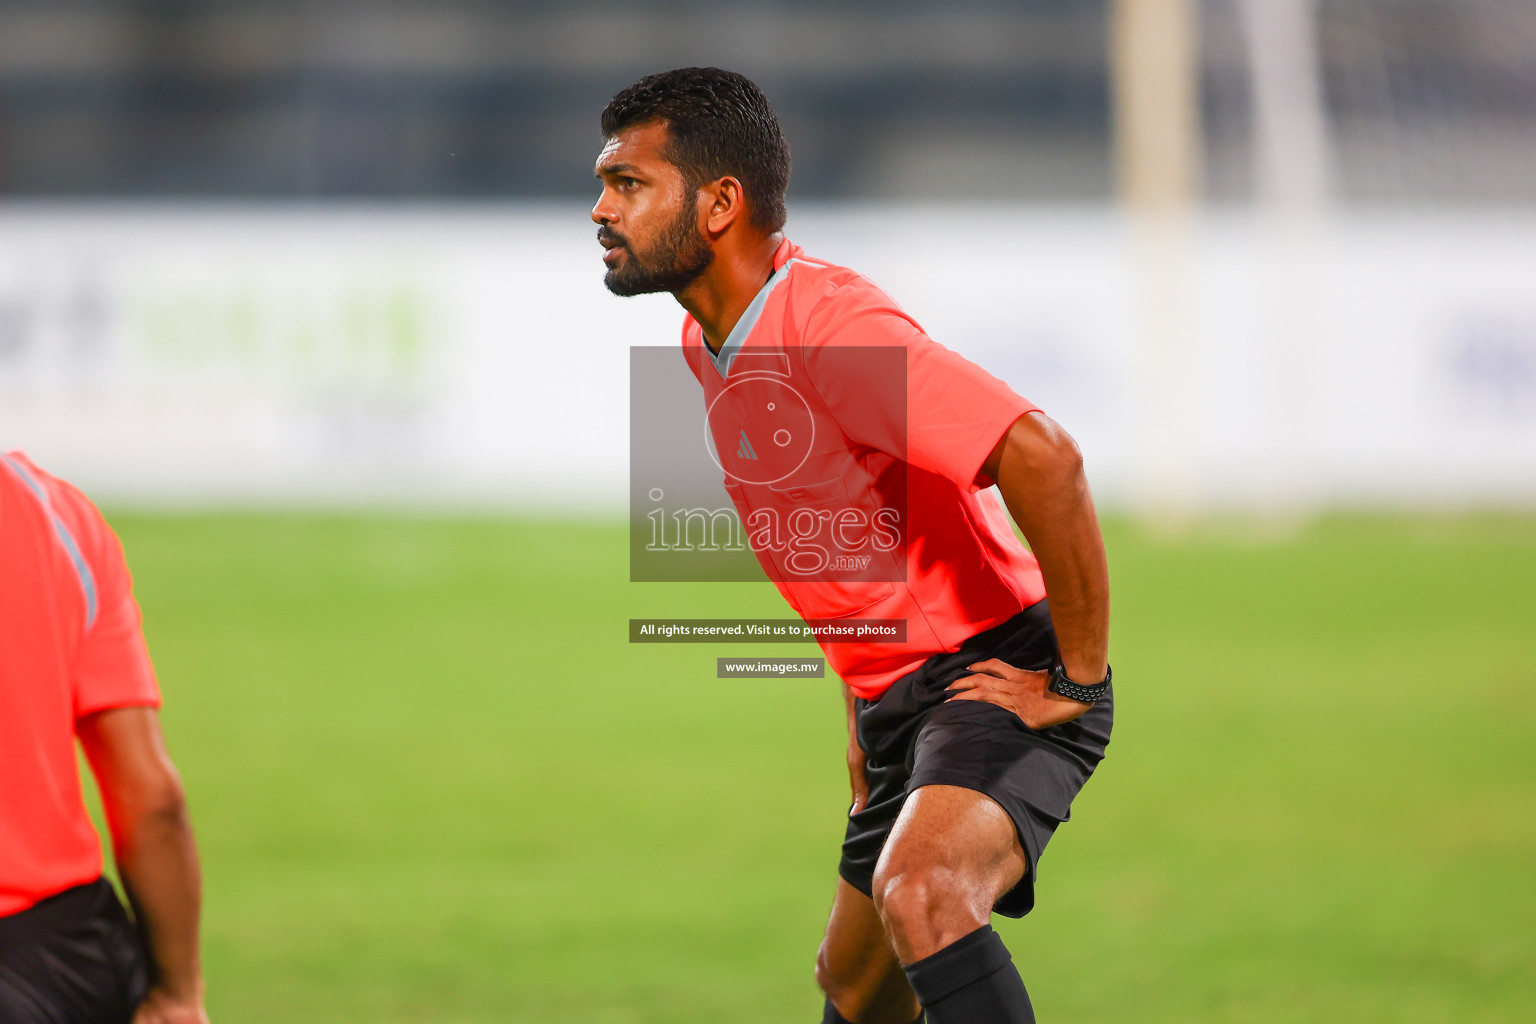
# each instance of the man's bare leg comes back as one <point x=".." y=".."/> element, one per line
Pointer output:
<point x="856" y="967"/>
<point x="952" y="853"/>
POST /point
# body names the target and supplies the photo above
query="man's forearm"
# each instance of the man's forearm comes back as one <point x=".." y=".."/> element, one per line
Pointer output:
<point x="157" y="859"/>
<point x="1039" y="471"/>
<point x="156" y="856"/>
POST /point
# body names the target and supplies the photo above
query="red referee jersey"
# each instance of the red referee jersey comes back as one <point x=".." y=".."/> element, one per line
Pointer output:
<point x="852" y="446"/>
<point x="70" y="645"/>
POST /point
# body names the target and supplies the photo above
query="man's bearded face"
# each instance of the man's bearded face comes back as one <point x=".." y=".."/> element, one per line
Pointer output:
<point x="669" y="264"/>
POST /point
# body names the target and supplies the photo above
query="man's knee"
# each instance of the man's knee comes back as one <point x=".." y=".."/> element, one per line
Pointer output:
<point x="827" y="977"/>
<point x="913" y="893"/>
<point x="871" y="989"/>
<point x="850" y="980"/>
<point x="926" y="906"/>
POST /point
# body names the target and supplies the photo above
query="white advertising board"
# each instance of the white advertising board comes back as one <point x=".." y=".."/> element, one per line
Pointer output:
<point x="440" y="356"/>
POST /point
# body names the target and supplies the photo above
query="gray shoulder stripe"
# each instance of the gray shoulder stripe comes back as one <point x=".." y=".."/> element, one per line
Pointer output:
<point x="66" y="539"/>
<point x="749" y="318"/>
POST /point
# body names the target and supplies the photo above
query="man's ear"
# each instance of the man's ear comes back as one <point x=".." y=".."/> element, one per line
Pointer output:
<point x="723" y="202"/>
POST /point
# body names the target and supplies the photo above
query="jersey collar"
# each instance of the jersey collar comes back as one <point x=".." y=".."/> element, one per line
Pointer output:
<point x="783" y="259"/>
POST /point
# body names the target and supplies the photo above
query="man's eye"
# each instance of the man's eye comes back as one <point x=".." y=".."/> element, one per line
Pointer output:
<point x="628" y="182"/>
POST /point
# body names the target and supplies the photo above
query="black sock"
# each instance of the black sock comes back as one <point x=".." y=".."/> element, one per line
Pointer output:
<point x="971" y="981"/>
<point x="831" y="1016"/>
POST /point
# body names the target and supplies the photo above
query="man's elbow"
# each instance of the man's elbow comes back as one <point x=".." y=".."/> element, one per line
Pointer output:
<point x="158" y="801"/>
<point x="1046" y="451"/>
<point x="1066" y="457"/>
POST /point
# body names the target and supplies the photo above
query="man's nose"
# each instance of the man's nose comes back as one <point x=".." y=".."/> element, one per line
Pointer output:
<point x="602" y="213"/>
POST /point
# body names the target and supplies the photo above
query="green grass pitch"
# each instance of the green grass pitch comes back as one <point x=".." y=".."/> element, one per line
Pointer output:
<point x="432" y="782"/>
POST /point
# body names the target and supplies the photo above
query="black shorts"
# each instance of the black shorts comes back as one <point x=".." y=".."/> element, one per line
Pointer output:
<point x="911" y="738"/>
<point x="74" y="958"/>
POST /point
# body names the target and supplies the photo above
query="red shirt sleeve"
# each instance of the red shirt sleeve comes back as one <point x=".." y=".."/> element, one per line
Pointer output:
<point x="112" y="667"/>
<point x="893" y="388"/>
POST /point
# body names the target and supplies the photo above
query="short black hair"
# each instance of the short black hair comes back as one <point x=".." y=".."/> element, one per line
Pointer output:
<point x="719" y="123"/>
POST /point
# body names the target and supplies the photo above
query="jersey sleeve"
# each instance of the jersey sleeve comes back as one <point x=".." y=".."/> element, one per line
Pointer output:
<point x="891" y="387"/>
<point x="112" y="667"/>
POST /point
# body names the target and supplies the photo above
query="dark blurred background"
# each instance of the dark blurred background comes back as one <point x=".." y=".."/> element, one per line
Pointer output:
<point x="1429" y="101"/>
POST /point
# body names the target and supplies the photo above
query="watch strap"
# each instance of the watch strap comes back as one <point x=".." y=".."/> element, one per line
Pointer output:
<point x="1077" y="691"/>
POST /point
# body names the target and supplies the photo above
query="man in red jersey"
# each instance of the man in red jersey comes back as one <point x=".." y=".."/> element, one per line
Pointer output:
<point x="73" y="665"/>
<point x="970" y="735"/>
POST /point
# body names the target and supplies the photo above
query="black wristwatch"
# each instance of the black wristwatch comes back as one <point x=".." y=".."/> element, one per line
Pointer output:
<point x="1077" y="691"/>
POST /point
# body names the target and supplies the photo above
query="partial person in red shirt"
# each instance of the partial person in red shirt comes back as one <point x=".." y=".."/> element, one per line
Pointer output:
<point x="861" y="456"/>
<point x="73" y="666"/>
